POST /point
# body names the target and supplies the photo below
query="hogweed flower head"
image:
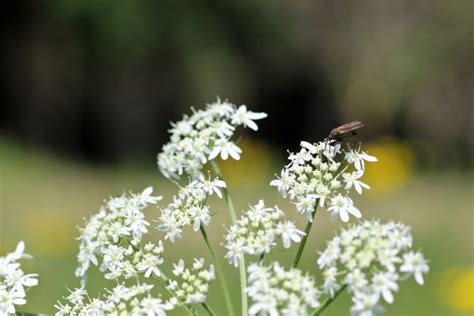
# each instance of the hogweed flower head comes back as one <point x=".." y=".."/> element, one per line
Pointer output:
<point x="203" y="136"/>
<point x="370" y="259"/>
<point x="276" y="291"/>
<point x="193" y="283"/>
<point x="13" y="281"/>
<point x="189" y="207"/>
<point x="257" y="231"/>
<point x="113" y="236"/>
<point x="121" y="300"/>
<point x="318" y="173"/>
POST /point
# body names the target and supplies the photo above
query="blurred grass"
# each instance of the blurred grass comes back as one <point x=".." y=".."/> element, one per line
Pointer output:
<point x="43" y="199"/>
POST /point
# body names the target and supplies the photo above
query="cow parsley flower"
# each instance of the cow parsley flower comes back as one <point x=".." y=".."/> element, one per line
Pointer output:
<point x="121" y="300"/>
<point x="276" y="291"/>
<point x="257" y="231"/>
<point x="193" y="283"/>
<point x="202" y="136"/>
<point x="112" y="238"/>
<point x="188" y="207"/>
<point x="13" y="281"/>
<point x="318" y="173"/>
<point x="370" y="259"/>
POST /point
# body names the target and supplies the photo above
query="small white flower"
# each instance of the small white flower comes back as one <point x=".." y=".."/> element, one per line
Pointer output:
<point x="305" y="205"/>
<point x="415" y="263"/>
<point x="384" y="283"/>
<point x="284" y="183"/>
<point x="366" y="304"/>
<point x="146" y="198"/>
<point x="342" y="206"/>
<point x="288" y="232"/>
<point x="330" y="283"/>
<point x="224" y="147"/>
<point x="352" y="179"/>
<point x="358" y="158"/>
<point x="244" y="117"/>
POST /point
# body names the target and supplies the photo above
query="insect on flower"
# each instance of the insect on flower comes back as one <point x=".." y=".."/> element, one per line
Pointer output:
<point x="339" y="133"/>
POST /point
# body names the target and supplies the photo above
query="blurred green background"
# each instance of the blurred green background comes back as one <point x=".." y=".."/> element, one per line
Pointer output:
<point x="88" y="88"/>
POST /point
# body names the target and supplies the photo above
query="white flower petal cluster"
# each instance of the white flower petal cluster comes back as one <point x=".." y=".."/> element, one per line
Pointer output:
<point x="316" y="175"/>
<point x="203" y="136"/>
<point x="112" y="239"/>
<point x="257" y="230"/>
<point x="275" y="291"/>
<point x="121" y="300"/>
<point x="13" y="281"/>
<point x="189" y="207"/>
<point x="369" y="259"/>
<point x="193" y="283"/>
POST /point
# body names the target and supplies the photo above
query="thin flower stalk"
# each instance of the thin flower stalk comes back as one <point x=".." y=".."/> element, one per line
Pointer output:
<point x="222" y="280"/>
<point x="233" y="218"/>
<point x="307" y="230"/>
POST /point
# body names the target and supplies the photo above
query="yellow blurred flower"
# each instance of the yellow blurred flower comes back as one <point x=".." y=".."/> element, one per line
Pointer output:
<point x="394" y="166"/>
<point x="457" y="289"/>
<point x="49" y="232"/>
<point x="253" y="166"/>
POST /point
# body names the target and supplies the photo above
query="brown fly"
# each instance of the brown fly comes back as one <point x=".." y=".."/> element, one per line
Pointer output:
<point x="339" y="133"/>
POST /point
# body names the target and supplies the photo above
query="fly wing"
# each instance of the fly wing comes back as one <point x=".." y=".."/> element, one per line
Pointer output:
<point x="346" y="128"/>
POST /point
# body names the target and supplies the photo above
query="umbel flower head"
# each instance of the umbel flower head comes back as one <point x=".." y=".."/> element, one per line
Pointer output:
<point x="317" y="175"/>
<point x="121" y="300"/>
<point x="257" y="230"/>
<point x="276" y="291"/>
<point x="193" y="283"/>
<point x="13" y="281"/>
<point x="189" y="207"/>
<point x="370" y="259"/>
<point x="113" y="236"/>
<point x="202" y="136"/>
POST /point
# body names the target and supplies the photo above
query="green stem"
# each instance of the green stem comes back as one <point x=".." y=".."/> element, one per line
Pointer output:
<point x="230" y="205"/>
<point x="222" y="279"/>
<point x="208" y="309"/>
<point x="305" y="237"/>
<point x="233" y="218"/>
<point x="328" y="301"/>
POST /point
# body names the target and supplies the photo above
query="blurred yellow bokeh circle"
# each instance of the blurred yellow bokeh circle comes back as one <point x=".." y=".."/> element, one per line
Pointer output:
<point x="457" y="289"/>
<point x="395" y="164"/>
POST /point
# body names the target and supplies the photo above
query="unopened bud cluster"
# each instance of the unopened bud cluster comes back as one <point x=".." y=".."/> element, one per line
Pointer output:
<point x="276" y="291"/>
<point x="189" y="207"/>
<point x="370" y="259"/>
<point x="193" y="283"/>
<point x="257" y="230"/>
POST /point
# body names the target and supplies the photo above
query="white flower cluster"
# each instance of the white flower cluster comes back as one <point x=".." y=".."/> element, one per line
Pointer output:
<point x="13" y="281"/>
<point x="317" y="173"/>
<point x="275" y="291"/>
<point x="121" y="300"/>
<point x="114" y="235"/>
<point x="189" y="207"/>
<point x="194" y="282"/>
<point x="203" y="136"/>
<point x="257" y="231"/>
<point x="370" y="258"/>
